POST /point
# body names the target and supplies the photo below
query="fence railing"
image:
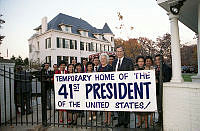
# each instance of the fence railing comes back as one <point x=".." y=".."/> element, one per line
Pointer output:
<point x="25" y="99"/>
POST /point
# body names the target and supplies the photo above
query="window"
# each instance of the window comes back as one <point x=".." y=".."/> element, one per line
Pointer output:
<point x="73" y="44"/>
<point x="112" y="48"/>
<point x="100" y="36"/>
<point x="81" y="45"/>
<point x="112" y="39"/>
<point x="101" y="48"/>
<point x="98" y="47"/>
<point x="38" y="45"/>
<point x="65" y="43"/>
<point x="59" y="42"/>
<point x="38" y="60"/>
<point x="66" y="59"/>
<point x="87" y="46"/>
<point x="104" y="48"/>
<point x="108" y="48"/>
<point x="30" y="48"/>
<point x="48" y="60"/>
<point x="47" y="43"/>
<point x="59" y="59"/>
<point x="91" y="46"/>
<point x="68" y="29"/>
<point x="84" y="33"/>
<point x="72" y="58"/>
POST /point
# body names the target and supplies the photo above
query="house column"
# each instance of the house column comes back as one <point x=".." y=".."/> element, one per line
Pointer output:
<point x="175" y="49"/>
<point x="198" y="43"/>
<point x="197" y="77"/>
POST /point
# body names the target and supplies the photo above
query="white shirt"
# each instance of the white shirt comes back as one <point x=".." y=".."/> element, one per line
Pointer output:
<point x="96" y="68"/>
<point x="118" y="63"/>
<point x="62" y="72"/>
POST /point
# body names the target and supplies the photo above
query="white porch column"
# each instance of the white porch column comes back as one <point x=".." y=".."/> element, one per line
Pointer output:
<point x="175" y="49"/>
<point x="198" y="43"/>
<point x="197" y="77"/>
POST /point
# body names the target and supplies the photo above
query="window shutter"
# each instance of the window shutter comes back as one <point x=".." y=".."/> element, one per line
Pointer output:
<point x="58" y="43"/>
<point x="50" y="42"/>
<point x="71" y="46"/>
<point x="89" y="46"/>
<point x="75" y="45"/>
<point x="63" y="43"/>
<point x="45" y="43"/>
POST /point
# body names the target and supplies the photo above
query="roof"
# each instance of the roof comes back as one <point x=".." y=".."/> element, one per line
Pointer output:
<point x="76" y="24"/>
<point x="188" y="13"/>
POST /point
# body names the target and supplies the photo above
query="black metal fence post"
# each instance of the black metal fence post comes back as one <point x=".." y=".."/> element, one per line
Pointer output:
<point x="5" y="95"/>
<point x="161" y="88"/>
<point x="10" y="96"/>
<point x="44" y="99"/>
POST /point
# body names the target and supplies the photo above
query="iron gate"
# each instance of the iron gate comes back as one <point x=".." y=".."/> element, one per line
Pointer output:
<point x="25" y="101"/>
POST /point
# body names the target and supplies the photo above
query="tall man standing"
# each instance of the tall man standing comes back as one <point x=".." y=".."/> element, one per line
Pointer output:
<point x="122" y="63"/>
<point x="96" y="63"/>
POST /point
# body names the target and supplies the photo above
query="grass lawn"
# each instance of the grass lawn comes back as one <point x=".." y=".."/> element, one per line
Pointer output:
<point x="187" y="77"/>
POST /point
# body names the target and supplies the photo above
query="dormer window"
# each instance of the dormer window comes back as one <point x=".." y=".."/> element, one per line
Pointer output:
<point x="65" y="28"/>
<point x="68" y="29"/>
<point x="83" y="32"/>
<point x="98" y="36"/>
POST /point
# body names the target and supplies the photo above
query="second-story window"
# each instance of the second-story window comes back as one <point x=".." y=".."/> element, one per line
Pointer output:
<point x="73" y="44"/>
<point x="91" y="46"/>
<point x="59" y="42"/>
<point x="30" y="48"/>
<point x="38" y="45"/>
<point x="112" y="39"/>
<point x="81" y="45"/>
<point x="65" y="43"/>
<point x="47" y="43"/>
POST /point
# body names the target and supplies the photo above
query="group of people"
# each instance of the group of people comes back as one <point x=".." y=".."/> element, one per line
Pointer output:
<point x="105" y="63"/>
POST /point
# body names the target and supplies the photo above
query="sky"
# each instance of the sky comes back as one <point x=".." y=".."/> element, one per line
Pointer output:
<point x="22" y="16"/>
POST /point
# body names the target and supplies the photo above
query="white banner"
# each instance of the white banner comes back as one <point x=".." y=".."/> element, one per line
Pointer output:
<point x="106" y="91"/>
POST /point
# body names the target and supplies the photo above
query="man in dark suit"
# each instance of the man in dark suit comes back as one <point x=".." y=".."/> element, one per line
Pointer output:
<point x="122" y="63"/>
<point x="166" y="77"/>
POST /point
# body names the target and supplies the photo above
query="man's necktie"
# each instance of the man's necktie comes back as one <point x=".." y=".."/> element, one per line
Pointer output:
<point x="119" y="64"/>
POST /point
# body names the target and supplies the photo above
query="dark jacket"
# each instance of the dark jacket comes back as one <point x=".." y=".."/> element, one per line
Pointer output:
<point x="126" y="65"/>
<point x="46" y="79"/>
<point x="167" y="74"/>
<point x="23" y="82"/>
<point x="107" y="68"/>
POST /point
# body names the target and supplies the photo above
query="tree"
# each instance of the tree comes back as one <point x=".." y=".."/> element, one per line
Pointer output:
<point x="164" y="43"/>
<point x="148" y="47"/>
<point x="1" y="22"/>
<point x="26" y="62"/>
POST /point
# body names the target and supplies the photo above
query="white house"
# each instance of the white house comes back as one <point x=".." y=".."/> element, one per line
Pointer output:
<point x="67" y="38"/>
